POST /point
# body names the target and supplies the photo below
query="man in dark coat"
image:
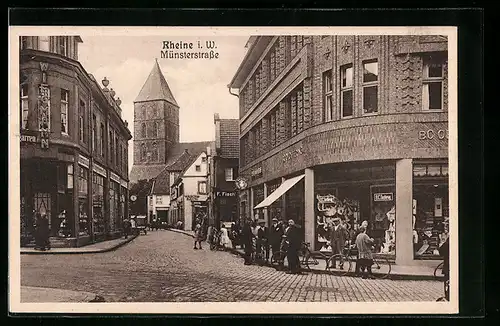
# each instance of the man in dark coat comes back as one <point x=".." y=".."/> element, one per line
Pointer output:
<point x="294" y="243"/>
<point x="43" y="232"/>
<point x="127" y="226"/>
<point x="246" y="241"/>
<point x="338" y="238"/>
<point x="275" y="235"/>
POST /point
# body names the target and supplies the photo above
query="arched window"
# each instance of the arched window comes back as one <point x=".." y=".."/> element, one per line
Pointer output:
<point x="155" y="133"/>
<point x="154" y="155"/>
<point x="143" y="130"/>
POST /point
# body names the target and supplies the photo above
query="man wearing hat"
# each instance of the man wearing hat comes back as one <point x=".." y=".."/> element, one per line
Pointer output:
<point x="262" y="239"/>
<point x="275" y="235"/>
<point x="338" y="238"/>
<point x="294" y="242"/>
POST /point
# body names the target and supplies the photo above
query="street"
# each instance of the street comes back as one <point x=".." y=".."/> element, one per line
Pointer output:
<point x="163" y="267"/>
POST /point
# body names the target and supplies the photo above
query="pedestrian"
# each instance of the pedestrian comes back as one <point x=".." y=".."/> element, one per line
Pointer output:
<point x="275" y="235"/>
<point x="338" y="240"/>
<point x="262" y="240"/>
<point x="365" y="261"/>
<point x="198" y="236"/>
<point x="225" y="241"/>
<point x="42" y="232"/>
<point x="444" y="251"/>
<point x="126" y="227"/>
<point x="246" y="240"/>
<point x="294" y="243"/>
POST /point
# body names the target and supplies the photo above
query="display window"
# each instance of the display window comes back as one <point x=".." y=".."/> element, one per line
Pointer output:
<point x="275" y="209"/>
<point x="98" y="203"/>
<point x="382" y="224"/>
<point x="83" y="207"/>
<point x="430" y="209"/>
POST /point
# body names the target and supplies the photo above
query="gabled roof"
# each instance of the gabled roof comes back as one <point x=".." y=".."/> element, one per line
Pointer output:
<point x="229" y="138"/>
<point x="187" y="166"/>
<point x="161" y="184"/>
<point x="156" y="88"/>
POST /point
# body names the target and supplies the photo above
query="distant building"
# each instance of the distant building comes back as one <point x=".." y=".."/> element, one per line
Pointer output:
<point x="224" y="161"/>
<point x="189" y="192"/>
<point x="74" y="145"/>
<point x="156" y="140"/>
<point x="349" y="126"/>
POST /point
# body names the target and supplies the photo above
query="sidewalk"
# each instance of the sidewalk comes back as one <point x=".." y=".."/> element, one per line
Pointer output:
<point x="103" y="246"/>
<point x="31" y="294"/>
<point x="397" y="271"/>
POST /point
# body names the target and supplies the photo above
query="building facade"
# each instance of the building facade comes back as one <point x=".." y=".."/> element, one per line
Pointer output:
<point x="189" y="192"/>
<point x="74" y="145"/>
<point x="224" y="162"/>
<point x="348" y="126"/>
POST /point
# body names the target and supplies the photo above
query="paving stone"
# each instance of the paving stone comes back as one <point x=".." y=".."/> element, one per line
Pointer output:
<point x="162" y="266"/>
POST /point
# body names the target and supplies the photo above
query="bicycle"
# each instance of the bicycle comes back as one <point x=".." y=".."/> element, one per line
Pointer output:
<point x="215" y="243"/>
<point x="438" y="271"/>
<point x="381" y="266"/>
<point x="278" y="257"/>
<point x="308" y="256"/>
<point x="259" y="256"/>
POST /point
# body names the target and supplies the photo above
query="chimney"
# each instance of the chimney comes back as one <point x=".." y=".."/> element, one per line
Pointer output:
<point x="216" y="117"/>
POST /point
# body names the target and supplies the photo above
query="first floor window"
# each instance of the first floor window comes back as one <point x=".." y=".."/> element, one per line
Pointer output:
<point x="197" y="168"/>
<point x="327" y="89"/>
<point x="64" y="111"/>
<point x="229" y="174"/>
<point x="346" y="90"/>
<point x="202" y="187"/>
<point x="432" y="82"/>
<point x="24" y="107"/>
<point x="370" y="86"/>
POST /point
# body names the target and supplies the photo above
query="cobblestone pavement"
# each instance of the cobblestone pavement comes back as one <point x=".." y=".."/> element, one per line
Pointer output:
<point x="162" y="266"/>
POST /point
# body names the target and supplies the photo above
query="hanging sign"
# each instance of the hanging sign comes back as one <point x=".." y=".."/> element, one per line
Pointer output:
<point x="383" y="196"/>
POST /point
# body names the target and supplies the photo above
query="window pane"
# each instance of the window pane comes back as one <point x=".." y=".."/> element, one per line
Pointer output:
<point x="434" y="170"/>
<point x="419" y="170"/>
<point x="328" y="108"/>
<point x="435" y="70"/>
<point x="435" y="96"/>
<point x="370" y="99"/>
<point x="43" y="43"/>
<point x="347" y="103"/>
<point x="370" y="72"/>
<point x="347" y="77"/>
<point x="444" y="170"/>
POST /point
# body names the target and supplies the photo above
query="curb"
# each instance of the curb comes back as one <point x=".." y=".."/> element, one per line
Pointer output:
<point x="79" y="252"/>
<point x="180" y="231"/>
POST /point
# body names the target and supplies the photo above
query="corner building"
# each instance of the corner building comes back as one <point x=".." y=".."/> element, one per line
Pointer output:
<point x="74" y="146"/>
<point x="348" y="126"/>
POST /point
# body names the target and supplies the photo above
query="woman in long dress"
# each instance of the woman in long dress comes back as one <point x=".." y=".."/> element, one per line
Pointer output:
<point x="225" y="241"/>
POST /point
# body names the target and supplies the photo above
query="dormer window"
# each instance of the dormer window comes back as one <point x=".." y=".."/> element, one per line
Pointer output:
<point x="63" y="46"/>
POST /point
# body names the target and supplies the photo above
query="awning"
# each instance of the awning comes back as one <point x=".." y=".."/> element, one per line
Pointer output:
<point x="284" y="187"/>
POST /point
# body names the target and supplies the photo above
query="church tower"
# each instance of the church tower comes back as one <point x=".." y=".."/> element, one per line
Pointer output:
<point x="156" y="121"/>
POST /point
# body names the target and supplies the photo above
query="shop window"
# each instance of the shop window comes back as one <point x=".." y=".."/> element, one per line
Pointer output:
<point x="432" y="83"/>
<point x="64" y="111"/>
<point x="24" y="107"/>
<point x="113" y="205"/>
<point x="42" y="205"/>
<point x="327" y="89"/>
<point x="83" y="177"/>
<point x="202" y="187"/>
<point x="83" y="217"/>
<point x="346" y="90"/>
<point x="98" y="203"/>
<point x="370" y="87"/>
<point x="229" y="174"/>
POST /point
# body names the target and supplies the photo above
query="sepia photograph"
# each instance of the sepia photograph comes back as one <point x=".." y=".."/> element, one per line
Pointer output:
<point x="224" y="169"/>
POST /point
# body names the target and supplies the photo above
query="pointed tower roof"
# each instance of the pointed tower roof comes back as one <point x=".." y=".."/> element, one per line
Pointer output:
<point x="156" y="87"/>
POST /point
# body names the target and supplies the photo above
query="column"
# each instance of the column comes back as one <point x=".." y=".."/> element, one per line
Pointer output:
<point x="252" y="203"/>
<point x="404" y="198"/>
<point x="266" y="211"/>
<point x="75" y="228"/>
<point x="283" y="203"/>
<point x="309" y="215"/>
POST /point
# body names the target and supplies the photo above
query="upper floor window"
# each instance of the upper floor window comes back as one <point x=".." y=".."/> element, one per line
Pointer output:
<point x="155" y="129"/>
<point x="81" y="121"/>
<point x="64" y="111"/>
<point x="197" y="168"/>
<point x="94" y="133"/>
<point x="24" y="106"/>
<point x="229" y="174"/>
<point x="143" y="152"/>
<point x="117" y="152"/>
<point x="143" y="130"/>
<point x="63" y="46"/>
<point x="202" y="187"/>
<point x="44" y="43"/>
<point x="204" y="159"/>
<point x="432" y="83"/>
<point x="101" y="140"/>
<point x="159" y="200"/>
<point x="111" y="147"/>
<point x="370" y="86"/>
<point x="327" y="87"/>
<point x="346" y="90"/>
<point x="24" y="42"/>
<point x="155" y="152"/>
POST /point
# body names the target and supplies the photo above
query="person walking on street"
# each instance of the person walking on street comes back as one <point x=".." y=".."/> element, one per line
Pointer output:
<point x="293" y="238"/>
<point x="246" y="240"/>
<point x="198" y="236"/>
<point x="225" y="241"/>
<point x="42" y="232"/>
<point x="126" y="227"/>
<point x="338" y="238"/>
<point x="365" y="261"/>
<point x="262" y="240"/>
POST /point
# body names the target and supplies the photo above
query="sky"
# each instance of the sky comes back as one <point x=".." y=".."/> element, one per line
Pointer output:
<point x="198" y="85"/>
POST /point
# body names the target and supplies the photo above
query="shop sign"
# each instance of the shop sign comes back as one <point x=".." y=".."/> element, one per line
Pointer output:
<point x="433" y="134"/>
<point x="123" y="183"/>
<point x="241" y="183"/>
<point x="192" y="197"/>
<point x="99" y="169"/>
<point x="225" y="194"/>
<point x="133" y="198"/>
<point x="256" y="173"/>
<point x="292" y="154"/>
<point x="114" y="177"/>
<point x="83" y="161"/>
<point x="29" y="139"/>
<point x="383" y="196"/>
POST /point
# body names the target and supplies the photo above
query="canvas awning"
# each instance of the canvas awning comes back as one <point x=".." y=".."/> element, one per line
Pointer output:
<point x="284" y="187"/>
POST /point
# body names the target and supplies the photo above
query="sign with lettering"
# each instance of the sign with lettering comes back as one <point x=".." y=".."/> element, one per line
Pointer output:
<point x="383" y="196"/>
<point x="225" y="194"/>
<point x="29" y="139"/>
<point x="114" y="177"/>
<point x="192" y="197"/>
<point x="83" y="161"/>
<point x="256" y="173"/>
<point x="99" y="170"/>
<point x="433" y="134"/>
